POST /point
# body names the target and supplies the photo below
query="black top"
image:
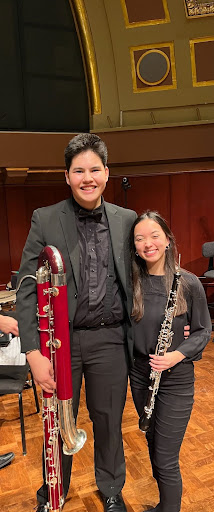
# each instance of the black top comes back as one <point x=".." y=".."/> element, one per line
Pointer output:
<point x="146" y="331"/>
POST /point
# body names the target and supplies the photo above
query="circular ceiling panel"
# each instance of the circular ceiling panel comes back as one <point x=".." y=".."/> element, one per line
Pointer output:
<point x="153" y="67"/>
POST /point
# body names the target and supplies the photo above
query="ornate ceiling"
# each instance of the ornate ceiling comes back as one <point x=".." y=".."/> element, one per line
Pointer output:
<point x="153" y="61"/>
<point x="199" y="8"/>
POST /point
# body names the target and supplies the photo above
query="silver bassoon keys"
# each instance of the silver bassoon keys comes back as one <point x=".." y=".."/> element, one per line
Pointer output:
<point x="163" y="343"/>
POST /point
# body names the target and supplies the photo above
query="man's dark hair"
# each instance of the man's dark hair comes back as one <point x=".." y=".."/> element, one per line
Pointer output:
<point x="84" y="142"/>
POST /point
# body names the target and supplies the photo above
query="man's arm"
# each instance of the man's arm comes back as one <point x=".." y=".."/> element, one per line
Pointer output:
<point x="26" y="297"/>
<point x="26" y="307"/>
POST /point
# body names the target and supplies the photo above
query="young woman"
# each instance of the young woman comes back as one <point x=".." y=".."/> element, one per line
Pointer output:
<point x="154" y="264"/>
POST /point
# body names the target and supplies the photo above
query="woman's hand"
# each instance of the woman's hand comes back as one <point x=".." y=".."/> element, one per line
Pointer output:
<point x="42" y="370"/>
<point x="161" y="363"/>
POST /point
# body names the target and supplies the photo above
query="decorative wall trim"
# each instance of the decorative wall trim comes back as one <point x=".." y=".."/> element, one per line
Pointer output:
<point x="192" y="43"/>
<point x="195" y="9"/>
<point x="88" y="53"/>
<point x="148" y="22"/>
<point x="15" y="175"/>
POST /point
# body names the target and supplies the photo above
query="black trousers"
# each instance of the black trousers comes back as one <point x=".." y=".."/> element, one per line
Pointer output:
<point x="100" y="355"/>
<point x="170" y="417"/>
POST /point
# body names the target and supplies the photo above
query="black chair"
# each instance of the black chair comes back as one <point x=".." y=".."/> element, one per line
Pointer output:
<point x="208" y="252"/>
<point x="13" y="380"/>
<point x="208" y="277"/>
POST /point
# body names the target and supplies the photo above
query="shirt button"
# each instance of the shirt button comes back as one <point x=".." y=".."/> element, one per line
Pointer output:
<point x="75" y="295"/>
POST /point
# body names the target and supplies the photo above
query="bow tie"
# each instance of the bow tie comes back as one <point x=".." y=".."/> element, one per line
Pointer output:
<point x="94" y="214"/>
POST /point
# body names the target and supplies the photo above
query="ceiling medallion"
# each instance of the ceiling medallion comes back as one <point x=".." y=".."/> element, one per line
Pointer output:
<point x="195" y="8"/>
<point x="153" y="67"/>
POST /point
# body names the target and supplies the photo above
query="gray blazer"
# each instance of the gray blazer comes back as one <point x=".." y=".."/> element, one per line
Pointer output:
<point x="55" y="225"/>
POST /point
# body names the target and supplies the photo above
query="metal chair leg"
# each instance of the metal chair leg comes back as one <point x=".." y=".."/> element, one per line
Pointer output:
<point x="35" y="394"/>
<point x="22" y="424"/>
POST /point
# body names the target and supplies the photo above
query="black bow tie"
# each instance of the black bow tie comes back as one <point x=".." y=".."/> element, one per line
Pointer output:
<point x="94" y="214"/>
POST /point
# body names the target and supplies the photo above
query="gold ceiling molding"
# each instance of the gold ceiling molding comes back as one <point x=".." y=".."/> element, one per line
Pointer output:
<point x="193" y="43"/>
<point x="197" y="8"/>
<point x="136" y="58"/>
<point x="88" y="53"/>
<point x="139" y="23"/>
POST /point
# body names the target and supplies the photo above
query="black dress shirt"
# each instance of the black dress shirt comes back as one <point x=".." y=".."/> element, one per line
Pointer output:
<point x="94" y="245"/>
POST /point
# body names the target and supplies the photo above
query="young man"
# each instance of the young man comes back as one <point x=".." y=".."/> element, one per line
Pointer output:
<point x="92" y="236"/>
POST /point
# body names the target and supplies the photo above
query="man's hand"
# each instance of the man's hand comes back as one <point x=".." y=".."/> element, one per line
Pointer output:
<point x="161" y="363"/>
<point x="42" y="370"/>
<point x="9" y="324"/>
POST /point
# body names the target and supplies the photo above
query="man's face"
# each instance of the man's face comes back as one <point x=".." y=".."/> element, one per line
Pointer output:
<point x="87" y="178"/>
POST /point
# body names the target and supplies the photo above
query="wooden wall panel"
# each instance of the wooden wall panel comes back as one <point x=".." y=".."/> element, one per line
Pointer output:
<point x="46" y="150"/>
<point x="192" y="219"/>
<point x="20" y="203"/>
<point x="146" y="192"/>
<point x="202" y="217"/>
<point x="17" y="223"/>
<point x="180" y="216"/>
<point x="185" y="201"/>
<point x="4" y="241"/>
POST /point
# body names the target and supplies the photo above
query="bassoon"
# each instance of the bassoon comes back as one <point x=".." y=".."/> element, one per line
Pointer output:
<point x="58" y="419"/>
<point x="163" y="343"/>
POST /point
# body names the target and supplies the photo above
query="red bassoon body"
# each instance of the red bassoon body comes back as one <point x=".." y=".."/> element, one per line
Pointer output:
<point x="58" y="419"/>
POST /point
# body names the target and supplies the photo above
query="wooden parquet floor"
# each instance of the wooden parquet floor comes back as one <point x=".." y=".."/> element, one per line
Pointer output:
<point x="20" y="480"/>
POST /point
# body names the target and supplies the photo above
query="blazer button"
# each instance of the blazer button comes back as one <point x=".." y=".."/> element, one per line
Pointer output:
<point x="75" y="295"/>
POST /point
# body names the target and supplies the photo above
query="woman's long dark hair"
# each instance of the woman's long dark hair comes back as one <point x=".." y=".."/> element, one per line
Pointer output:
<point x="140" y="271"/>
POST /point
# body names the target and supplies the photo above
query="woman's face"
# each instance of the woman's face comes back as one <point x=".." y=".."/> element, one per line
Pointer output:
<point x="150" y="242"/>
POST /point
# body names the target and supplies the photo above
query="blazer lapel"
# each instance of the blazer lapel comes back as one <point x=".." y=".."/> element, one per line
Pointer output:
<point x="67" y="219"/>
<point x="117" y="240"/>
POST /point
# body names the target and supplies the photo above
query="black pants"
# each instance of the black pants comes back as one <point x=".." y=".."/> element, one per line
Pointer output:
<point x="172" y="411"/>
<point x="100" y="355"/>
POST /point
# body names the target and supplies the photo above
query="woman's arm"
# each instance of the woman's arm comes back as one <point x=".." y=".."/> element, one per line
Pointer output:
<point x="200" y="330"/>
<point x="200" y="321"/>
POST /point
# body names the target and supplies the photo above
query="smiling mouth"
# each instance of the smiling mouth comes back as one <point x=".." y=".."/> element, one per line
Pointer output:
<point x="88" y="189"/>
<point x="150" y="253"/>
